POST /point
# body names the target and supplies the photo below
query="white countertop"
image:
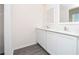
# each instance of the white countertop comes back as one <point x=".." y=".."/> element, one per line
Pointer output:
<point x="61" y="32"/>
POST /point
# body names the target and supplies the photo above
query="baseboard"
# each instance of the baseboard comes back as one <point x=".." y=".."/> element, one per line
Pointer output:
<point x="25" y="45"/>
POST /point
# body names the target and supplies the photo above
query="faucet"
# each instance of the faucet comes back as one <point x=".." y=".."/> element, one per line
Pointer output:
<point x="65" y="28"/>
<point x="47" y="26"/>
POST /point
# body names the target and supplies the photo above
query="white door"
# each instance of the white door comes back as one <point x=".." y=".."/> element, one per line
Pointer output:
<point x="42" y="38"/>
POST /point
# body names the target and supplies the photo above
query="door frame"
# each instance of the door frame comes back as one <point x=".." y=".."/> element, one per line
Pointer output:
<point x="8" y="50"/>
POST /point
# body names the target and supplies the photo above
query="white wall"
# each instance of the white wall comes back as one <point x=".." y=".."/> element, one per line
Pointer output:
<point x="70" y="6"/>
<point x="48" y="16"/>
<point x="1" y="28"/>
<point x="25" y="19"/>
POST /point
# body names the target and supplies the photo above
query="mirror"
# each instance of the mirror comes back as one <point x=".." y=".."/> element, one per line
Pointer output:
<point x="74" y="15"/>
<point x="69" y="13"/>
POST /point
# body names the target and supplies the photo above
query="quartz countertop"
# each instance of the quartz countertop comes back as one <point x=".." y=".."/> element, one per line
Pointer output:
<point x="59" y="31"/>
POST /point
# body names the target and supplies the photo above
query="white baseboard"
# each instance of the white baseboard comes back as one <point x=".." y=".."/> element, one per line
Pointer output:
<point x="25" y="45"/>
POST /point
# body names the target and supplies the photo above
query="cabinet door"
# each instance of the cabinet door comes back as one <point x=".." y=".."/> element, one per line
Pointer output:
<point x="51" y="43"/>
<point x="41" y="38"/>
<point x="61" y="44"/>
<point x="78" y="45"/>
<point x="66" y="45"/>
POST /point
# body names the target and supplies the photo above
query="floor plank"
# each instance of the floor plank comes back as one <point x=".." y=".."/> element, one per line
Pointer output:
<point x="31" y="50"/>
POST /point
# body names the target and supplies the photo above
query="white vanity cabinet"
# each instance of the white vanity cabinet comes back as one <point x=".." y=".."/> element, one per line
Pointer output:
<point x="66" y="45"/>
<point x="51" y="43"/>
<point x="57" y="43"/>
<point x="61" y="44"/>
<point x="78" y="46"/>
<point x="42" y="38"/>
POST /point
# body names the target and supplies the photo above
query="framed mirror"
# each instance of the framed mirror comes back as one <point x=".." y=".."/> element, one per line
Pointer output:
<point x="69" y="13"/>
<point x="74" y="15"/>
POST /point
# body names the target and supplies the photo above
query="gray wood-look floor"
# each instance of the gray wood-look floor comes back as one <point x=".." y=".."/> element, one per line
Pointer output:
<point x="31" y="50"/>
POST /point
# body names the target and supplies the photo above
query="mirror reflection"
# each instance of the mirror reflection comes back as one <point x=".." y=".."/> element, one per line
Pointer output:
<point x="69" y="13"/>
<point x="74" y="15"/>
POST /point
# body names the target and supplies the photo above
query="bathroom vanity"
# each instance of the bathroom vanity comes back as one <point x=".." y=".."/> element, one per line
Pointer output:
<point x="58" y="42"/>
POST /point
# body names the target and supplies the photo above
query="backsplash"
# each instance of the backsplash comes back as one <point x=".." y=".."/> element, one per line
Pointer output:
<point x="66" y="27"/>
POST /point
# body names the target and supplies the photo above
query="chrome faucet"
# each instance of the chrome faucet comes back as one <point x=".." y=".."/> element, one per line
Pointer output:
<point x="65" y="28"/>
<point x="47" y="27"/>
